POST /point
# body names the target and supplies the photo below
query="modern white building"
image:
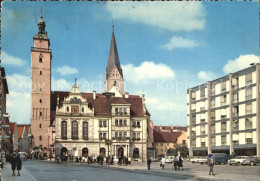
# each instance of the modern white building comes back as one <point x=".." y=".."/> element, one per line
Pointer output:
<point x="223" y="114"/>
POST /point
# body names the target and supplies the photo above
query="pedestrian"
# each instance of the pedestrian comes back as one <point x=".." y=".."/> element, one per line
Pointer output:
<point x="162" y="162"/>
<point x="18" y="164"/>
<point x="149" y="161"/>
<point x="175" y="163"/>
<point x="180" y="163"/>
<point x="101" y="159"/>
<point x="3" y="162"/>
<point x="13" y="164"/>
<point x="80" y="158"/>
<point x="211" y="165"/>
<point x="129" y="160"/>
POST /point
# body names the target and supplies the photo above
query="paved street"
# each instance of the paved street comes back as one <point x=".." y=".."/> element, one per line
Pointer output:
<point x="43" y="170"/>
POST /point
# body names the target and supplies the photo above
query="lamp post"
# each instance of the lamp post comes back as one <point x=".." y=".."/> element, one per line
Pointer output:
<point x="108" y="143"/>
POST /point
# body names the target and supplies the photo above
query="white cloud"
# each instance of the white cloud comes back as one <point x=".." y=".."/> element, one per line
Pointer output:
<point x="147" y="71"/>
<point x="180" y="42"/>
<point x="11" y="60"/>
<point x="18" y="100"/>
<point x="242" y="62"/>
<point x="173" y="16"/>
<point x="66" y="70"/>
<point x="164" y="104"/>
<point x="206" y="75"/>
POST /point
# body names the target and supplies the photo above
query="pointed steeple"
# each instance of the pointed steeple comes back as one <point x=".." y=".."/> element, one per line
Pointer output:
<point x="113" y="59"/>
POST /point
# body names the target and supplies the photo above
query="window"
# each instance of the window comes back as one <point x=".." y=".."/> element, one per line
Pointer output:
<point x="202" y="120"/>
<point x="249" y="79"/>
<point x="100" y="123"/>
<point x="40" y="100"/>
<point x="223" y="127"/>
<point x="223" y="86"/>
<point x="249" y="123"/>
<point x="116" y="122"/>
<point x="134" y="135"/>
<point x="202" y="130"/>
<point x="212" y="128"/>
<point x="116" y="111"/>
<point x="125" y="113"/>
<point x="105" y="123"/>
<point x="63" y="129"/>
<point x="213" y="141"/>
<point x="40" y="125"/>
<point x="85" y="130"/>
<point x="249" y="93"/>
<point x="167" y="144"/>
<point x="68" y="109"/>
<point x="120" y="110"/>
<point x="202" y="93"/>
<point x="249" y="141"/>
<point x="104" y="135"/>
<point x="120" y="134"/>
<point x="138" y="135"/>
<point x="161" y="144"/>
<point x="74" y="130"/>
<point x="40" y="72"/>
<point x="120" y="122"/>
<point x="235" y="111"/>
<point x="203" y="144"/>
<point x="124" y="134"/>
<point x="212" y="103"/>
<point x="40" y="89"/>
<point x="40" y="59"/>
<point x="223" y="100"/>
<point x="235" y="98"/>
<point x="138" y="123"/>
<point x="40" y="113"/>
<point x="183" y="142"/>
<point x="116" y="134"/>
<point x="235" y="125"/>
<point x="125" y="122"/>
<point x="40" y="137"/>
<point x="82" y="109"/>
<point x="223" y="140"/>
<point x="249" y="108"/>
<point x="212" y="116"/>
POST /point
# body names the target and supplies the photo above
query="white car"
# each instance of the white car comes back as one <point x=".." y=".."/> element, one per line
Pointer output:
<point x="194" y="159"/>
<point x="202" y="160"/>
<point x="237" y="160"/>
<point x="169" y="159"/>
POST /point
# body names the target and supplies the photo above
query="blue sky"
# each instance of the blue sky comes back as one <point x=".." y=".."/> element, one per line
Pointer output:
<point x="164" y="48"/>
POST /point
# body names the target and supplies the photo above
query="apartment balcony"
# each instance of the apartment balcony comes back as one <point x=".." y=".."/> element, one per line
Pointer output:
<point x="234" y="87"/>
<point x="248" y="82"/>
<point x="248" y="97"/>
<point x="193" y="111"/>
<point x="235" y="100"/>
<point x="202" y="133"/>
<point x="223" y="103"/>
<point x="212" y="105"/>
<point x="202" y="109"/>
<point x="203" y="144"/>
<point x="120" y="114"/>
<point x="224" y="143"/>
<point x="235" y="114"/>
<point x="193" y="99"/>
<point x="212" y="118"/>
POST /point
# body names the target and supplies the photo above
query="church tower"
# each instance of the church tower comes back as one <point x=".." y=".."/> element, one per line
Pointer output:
<point x="114" y="73"/>
<point x="40" y="87"/>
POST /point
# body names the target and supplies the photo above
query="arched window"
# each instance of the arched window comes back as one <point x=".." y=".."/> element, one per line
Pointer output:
<point x="85" y="130"/>
<point x="40" y="137"/>
<point x="74" y="130"/>
<point x="40" y="59"/>
<point x="82" y="109"/>
<point x="63" y="129"/>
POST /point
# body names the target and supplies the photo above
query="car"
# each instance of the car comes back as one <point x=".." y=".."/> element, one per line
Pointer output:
<point x="169" y="159"/>
<point x="22" y="155"/>
<point x="219" y="158"/>
<point x="252" y="160"/>
<point x="237" y="160"/>
<point x="194" y="159"/>
<point x="202" y="160"/>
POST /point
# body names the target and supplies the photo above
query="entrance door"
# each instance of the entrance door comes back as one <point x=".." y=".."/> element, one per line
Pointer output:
<point x="120" y="152"/>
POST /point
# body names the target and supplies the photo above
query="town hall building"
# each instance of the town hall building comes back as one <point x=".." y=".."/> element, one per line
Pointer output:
<point x="77" y="123"/>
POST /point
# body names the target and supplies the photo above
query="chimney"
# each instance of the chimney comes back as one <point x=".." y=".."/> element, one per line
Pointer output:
<point x="94" y="95"/>
<point x="126" y="95"/>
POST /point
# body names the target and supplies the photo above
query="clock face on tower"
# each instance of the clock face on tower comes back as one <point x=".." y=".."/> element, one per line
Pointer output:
<point x="75" y="109"/>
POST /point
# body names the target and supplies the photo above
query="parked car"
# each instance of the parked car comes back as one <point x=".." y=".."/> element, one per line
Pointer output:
<point x="169" y="159"/>
<point x="237" y="160"/>
<point x="194" y="159"/>
<point x="219" y="158"/>
<point x="252" y="160"/>
<point x="22" y="155"/>
<point x="202" y="160"/>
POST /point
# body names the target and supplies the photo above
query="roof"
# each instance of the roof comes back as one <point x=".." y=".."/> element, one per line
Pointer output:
<point x="12" y="126"/>
<point x="113" y="59"/>
<point x="170" y="128"/>
<point x="102" y="104"/>
<point x="20" y="129"/>
<point x="165" y="137"/>
<point x="2" y="75"/>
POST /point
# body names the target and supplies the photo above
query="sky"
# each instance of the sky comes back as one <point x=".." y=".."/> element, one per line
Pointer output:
<point x="164" y="48"/>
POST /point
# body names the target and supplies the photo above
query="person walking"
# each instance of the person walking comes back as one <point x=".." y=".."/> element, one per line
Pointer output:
<point x="163" y="162"/>
<point x="149" y="161"/>
<point x="13" y="164"/>
<point x="180" y="163"/>
<point x="211" y="165"/>
<point x="175" y="163"/>
<point x="18" y="164"/>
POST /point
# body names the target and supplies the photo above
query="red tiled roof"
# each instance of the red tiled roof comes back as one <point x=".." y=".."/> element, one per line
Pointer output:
<point x="182" y="128"/>
<point x="165" y="137"/>
<point x="102" y="104"/>
<point x="20" y="129"/>
<point x="169" y="128"/>
<point x="12" y="126"/>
